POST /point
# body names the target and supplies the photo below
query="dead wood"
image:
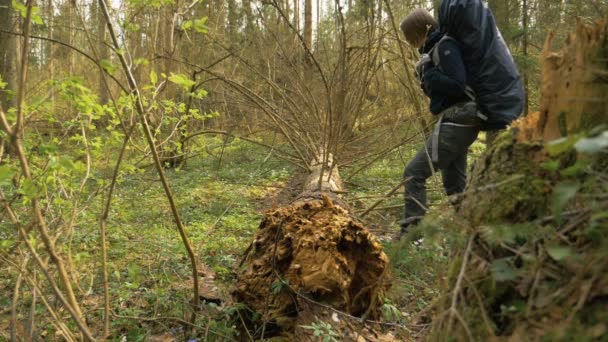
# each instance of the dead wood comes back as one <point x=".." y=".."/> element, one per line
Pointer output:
<point x="311" y="257"/>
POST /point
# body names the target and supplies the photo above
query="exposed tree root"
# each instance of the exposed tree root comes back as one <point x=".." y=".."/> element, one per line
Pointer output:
<point x="312" y="252"/>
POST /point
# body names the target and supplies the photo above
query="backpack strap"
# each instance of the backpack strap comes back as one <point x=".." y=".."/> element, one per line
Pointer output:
<point x="468" y="91"/>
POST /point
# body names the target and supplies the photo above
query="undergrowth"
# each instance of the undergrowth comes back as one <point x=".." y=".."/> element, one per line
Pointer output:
<point x="221" y="193"/>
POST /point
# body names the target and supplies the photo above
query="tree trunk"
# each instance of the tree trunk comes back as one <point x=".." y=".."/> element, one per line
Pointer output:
<point x="574" y="83"/>
<point x="525" y="53"/>
<point x="312" y="251"/>
<point x="308" y="24"/>
<point x="102" y="51"/>
<point x="296" y="15"/>
<point x="248" y="16"/>
<point x="8" y="58"/>
<point x="232" y="23"/>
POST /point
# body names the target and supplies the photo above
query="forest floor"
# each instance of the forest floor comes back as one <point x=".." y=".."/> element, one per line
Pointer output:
<point x="222" y="195"/>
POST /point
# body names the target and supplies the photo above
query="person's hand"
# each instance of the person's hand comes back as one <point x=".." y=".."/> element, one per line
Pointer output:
<point x="421" y="65"/>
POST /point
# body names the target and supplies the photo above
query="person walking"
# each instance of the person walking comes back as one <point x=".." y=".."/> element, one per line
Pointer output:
<point x="472" y="82"/>
<point x="444" y="82"/>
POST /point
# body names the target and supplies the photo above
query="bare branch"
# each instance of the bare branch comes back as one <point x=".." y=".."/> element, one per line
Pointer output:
<point x="142" y="114"/>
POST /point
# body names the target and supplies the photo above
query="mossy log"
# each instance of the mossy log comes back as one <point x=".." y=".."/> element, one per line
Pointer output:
<point x="535" y="266"/>
<point x="308" y="259"/>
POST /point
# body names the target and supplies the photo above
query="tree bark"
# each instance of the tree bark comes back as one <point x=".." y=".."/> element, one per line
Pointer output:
<point x="308" y="24"/>
<point x="575" y="83"/>
<point x="8" y="58"/>
<point x="525" y="53"/>
<point x="248" y="16"/>
<point x="102" y="51"/>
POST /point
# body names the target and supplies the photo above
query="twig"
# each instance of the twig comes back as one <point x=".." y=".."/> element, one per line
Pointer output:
<point x="192" y="135"/>
<point x="464" y="324"/>
<point x="390" y="207"/>
<point x="102" y="232"/>
<point x="31" y="323"/>
<point x="244" y="326"/>
<point x="389" y="194"/>
<point x="484" y="314"/>
<point x="176" y="319"/>
<point x="458" y="286"/>
<point x="80" y="52"/>
<point x="57" y="321"/>
<point x="76" y="315"/>
<point x="15" y="299"/>
<point x="586" y="289"/>
<point x="146" y="127"/>
<point x="39" y="218"/>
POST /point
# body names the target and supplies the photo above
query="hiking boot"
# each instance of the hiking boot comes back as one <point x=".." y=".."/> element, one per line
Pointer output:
<point x="405" y="227"/>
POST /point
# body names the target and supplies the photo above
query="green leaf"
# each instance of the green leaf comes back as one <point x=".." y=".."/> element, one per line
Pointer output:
<point x="134" y="272"/>
<point x="28" y="189"/>
<point x="200" y="25"/>
<point x="577" y="169"/>
<point x="562" y="145"/>
<point x="558" y="253"/>
<point x="153" y="77"/>
<point x="603" y="215"/>
<point x="48" y="149"/>
<point x="562" y="194"/>
<point x="182" y="80"/>
<point x="551" y="165"/>
<point x="19" y="7"/>
<point x="6" y="244"/>
<point x="36" y="18"/>
<point x="6" y="175"/>
<point x="593" y="145"/>
<point x="66" y="163"/>
<point x="502" y="270"/>
<point x="278" y="286"/>
<point x="107" y="66"/>
<point x="141" y="61"/>
<point x="187" y="25"/>
<point x="199" y="94"/>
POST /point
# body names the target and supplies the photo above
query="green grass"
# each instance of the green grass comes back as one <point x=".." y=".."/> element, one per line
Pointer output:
<point x="220" y="207"/>
<point x="220" y="196"/>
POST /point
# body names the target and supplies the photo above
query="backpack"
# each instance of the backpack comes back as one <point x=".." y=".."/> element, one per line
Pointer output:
<point x="436" y="59"/>
<point x="491" y="71"/>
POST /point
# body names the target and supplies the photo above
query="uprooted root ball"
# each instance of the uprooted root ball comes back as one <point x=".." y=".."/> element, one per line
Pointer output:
<point x="313" y="251"/>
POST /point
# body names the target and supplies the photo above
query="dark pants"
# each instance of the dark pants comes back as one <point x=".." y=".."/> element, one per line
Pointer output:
<point x="454" y="144"/>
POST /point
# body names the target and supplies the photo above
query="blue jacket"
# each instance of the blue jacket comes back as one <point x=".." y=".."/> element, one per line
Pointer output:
<point x="491" y="71"/>
<point x="444" y="87"/>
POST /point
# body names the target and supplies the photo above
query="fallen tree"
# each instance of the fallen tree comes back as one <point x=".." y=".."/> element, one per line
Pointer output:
<point x="535" y="264"/>
<point x="310" y="261"/>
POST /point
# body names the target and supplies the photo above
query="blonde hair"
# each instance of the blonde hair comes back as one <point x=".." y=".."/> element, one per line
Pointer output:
<point x="417" y="24"/>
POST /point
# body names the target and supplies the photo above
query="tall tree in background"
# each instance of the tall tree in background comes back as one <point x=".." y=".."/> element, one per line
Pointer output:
<point x="8" y="60"/>
<point x="526" y="78"/>
<point x="308" y="24"/>
<point x="102" y="50"/>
